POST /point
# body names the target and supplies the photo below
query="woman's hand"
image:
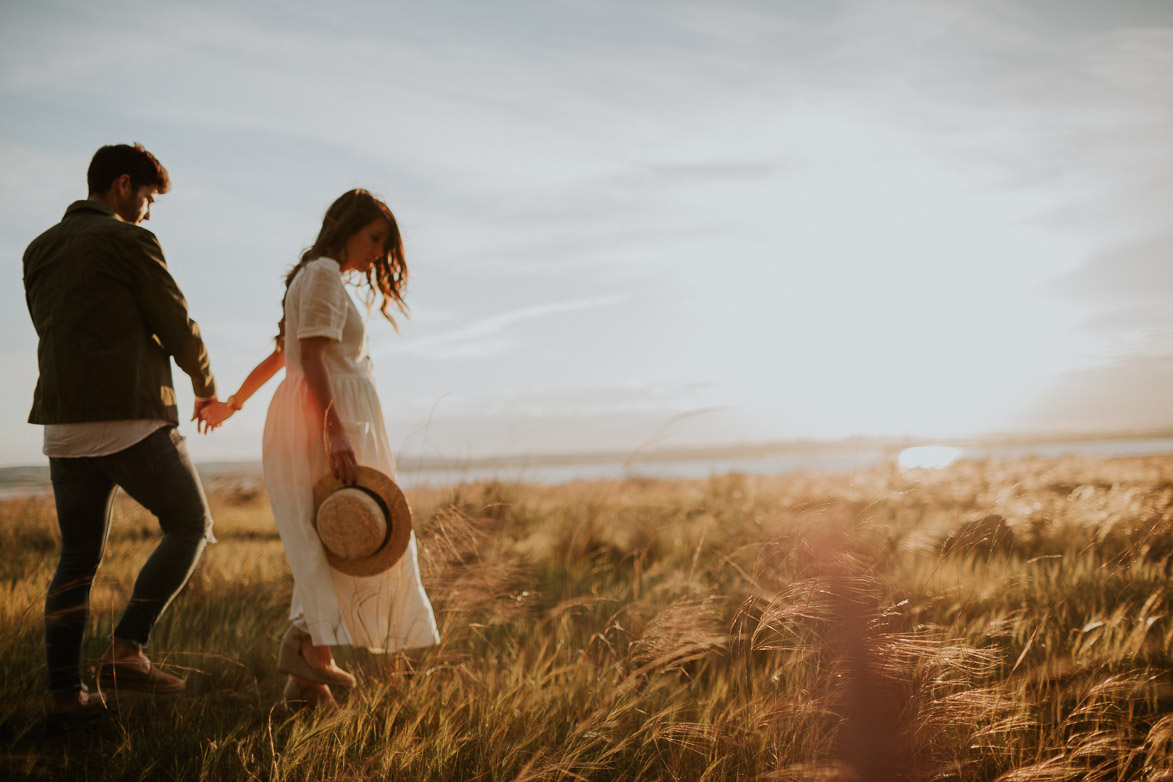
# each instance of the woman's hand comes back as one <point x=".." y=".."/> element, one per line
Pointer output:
<point x="210" y="413"/>
<point x="340" y="453"/>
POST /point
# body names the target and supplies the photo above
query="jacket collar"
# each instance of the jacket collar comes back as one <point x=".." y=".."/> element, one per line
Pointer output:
<point x="86" y="205"/>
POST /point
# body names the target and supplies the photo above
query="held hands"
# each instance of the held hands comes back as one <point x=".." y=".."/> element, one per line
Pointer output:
<point x="211" y="413"/>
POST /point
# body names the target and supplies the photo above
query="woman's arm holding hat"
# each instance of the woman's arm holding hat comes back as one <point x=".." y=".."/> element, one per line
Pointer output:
<point x="338" y="448"/>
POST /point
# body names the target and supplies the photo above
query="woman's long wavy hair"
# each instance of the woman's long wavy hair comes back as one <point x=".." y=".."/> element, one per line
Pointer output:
<point x="347" y="216"/>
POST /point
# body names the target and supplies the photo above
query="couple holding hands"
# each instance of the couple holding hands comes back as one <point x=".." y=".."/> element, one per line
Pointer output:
<point x="110" y="319"/>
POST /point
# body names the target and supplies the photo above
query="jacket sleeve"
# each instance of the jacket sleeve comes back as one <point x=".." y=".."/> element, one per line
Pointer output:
<point x="165" y="312"/>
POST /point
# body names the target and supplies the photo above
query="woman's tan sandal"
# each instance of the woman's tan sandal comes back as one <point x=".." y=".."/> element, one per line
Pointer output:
<point x="290" y="661"/>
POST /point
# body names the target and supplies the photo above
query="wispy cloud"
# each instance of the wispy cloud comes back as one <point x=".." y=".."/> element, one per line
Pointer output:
<point x="658" y="398"/>
<point x="490" y="337"/>
<point x="1132" y="273"/>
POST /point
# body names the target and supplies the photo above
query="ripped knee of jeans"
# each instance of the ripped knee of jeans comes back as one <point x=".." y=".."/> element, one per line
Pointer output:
<point x="200" y="529"/>
<point x="206" y="535"/>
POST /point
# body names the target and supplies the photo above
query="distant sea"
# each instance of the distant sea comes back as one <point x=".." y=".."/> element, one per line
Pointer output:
<point x="767" y="459"/>
<point x="840" y="458"/>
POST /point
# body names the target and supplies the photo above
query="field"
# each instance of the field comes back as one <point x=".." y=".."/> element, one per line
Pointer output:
<point x="988" y="621"/>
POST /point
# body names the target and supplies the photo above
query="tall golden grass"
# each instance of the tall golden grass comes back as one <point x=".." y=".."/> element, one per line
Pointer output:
<point x="988" y="621"/>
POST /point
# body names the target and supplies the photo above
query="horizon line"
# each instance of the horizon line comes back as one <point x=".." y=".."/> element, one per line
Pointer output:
<point x="798" y="446"/>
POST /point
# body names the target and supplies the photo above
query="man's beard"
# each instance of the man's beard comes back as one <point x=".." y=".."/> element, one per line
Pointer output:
<point x="128" y="209"/>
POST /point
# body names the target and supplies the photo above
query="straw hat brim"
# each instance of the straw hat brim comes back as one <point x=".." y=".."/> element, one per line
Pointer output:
<point x="399" y="518"/>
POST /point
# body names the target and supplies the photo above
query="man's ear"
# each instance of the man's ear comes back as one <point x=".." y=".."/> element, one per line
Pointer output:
<point x="123" y="186"/>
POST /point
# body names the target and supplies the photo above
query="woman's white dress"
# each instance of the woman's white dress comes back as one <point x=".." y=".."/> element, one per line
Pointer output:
<point x="384" y="612"/>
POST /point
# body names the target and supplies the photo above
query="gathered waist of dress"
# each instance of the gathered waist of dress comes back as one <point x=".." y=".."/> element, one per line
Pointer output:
<point x="292" y="373"/>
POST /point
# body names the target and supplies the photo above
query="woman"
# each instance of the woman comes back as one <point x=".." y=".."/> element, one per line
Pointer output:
<point x="325" y="417"/>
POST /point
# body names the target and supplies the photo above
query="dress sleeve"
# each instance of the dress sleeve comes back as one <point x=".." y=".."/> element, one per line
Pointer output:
<point x="322" y="303"/>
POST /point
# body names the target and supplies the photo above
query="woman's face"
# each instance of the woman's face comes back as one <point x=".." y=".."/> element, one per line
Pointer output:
<point x="367" y="246"/>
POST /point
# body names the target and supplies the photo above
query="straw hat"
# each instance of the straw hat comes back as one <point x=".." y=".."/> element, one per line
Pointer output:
<point x="364" y="528"/>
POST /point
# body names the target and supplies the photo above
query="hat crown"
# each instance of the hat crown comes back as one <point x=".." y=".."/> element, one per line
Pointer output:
<point x="364" y="527"/>
<point x="351" y="523"/>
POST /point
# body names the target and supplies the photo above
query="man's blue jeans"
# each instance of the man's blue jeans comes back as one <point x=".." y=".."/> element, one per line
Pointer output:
<point x="158" y="474"/>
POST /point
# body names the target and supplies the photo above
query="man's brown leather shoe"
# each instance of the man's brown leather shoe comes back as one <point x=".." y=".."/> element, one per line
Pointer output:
<point x="131" y="676"/>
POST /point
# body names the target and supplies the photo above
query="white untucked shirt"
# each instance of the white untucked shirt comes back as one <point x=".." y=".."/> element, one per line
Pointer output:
<point x="97" y="438"/>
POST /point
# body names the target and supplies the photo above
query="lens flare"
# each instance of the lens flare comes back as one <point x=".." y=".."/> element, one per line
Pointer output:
<point x="930" y="456"/>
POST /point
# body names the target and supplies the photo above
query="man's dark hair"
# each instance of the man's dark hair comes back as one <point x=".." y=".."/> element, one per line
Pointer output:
<point x="111" y="162"/>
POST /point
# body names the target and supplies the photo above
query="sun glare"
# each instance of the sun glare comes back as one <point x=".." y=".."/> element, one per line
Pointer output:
<point x="931" y="456"/>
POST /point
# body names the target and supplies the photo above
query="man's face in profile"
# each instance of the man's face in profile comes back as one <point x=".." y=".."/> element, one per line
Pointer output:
<point x="135" y="206"/>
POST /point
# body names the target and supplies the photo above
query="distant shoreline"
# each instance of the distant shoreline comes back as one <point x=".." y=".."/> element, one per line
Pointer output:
<point x="788" y="456"/>
<point x="779" y="449"/>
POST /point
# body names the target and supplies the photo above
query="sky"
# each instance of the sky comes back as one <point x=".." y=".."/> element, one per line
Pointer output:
<point x="644" y="224"/>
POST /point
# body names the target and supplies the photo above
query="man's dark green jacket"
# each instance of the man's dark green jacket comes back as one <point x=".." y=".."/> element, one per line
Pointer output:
<point x="109" y="318"/>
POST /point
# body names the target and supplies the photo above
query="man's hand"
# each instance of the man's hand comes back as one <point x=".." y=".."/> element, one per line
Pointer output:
<point x="210" y="413"/>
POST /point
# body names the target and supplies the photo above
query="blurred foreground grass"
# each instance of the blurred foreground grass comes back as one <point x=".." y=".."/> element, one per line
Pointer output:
<point x="1004" y="621"/>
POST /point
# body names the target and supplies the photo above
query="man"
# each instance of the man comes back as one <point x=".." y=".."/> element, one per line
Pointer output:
<point x="109" y="318"/>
